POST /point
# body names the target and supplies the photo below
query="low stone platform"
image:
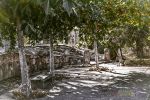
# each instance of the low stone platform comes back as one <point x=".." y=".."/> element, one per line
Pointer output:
<point x="41" y="80"/>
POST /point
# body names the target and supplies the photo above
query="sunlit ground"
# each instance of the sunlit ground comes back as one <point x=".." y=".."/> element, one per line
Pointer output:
<point x="123" y="83"/>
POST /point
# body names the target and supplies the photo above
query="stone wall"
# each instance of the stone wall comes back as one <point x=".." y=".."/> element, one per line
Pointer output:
<point x="146" y="51"/>
<point x="38" y="60"/>
<point x="9" y="66"/>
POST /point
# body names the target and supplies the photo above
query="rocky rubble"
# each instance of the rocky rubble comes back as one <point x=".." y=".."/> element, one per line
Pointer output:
<point x="63" y="55"/>
<point x="38" y="59"/>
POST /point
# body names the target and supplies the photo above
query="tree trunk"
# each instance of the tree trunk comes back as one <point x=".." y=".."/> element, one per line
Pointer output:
<point x="96" y="54"/>
<point x="51" y="57"/>
<point x="95" y="47"/>
<point x="120" y="54"/>
<point x="26" y="84"/>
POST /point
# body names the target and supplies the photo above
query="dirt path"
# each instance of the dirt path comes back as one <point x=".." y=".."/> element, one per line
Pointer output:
<point x="130" y="84"/>
<point x="127" y="83"/>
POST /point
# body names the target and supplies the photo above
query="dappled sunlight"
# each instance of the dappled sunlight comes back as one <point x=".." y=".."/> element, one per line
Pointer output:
<point x="68" y="86"/>
<point x="51" y="96"/>
<point x="75" y="49"/>
<point x="41" y="76"/>
<point x="84" y="83"/>
<point x="55" y="90"/>
<point x="133" y="85"/>
<point x="122" y="82"/>
<point x="103" y="86"/>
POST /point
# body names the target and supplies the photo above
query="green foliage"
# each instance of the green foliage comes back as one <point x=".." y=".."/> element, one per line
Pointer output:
<point x="39" y="19"/>
<point x="11" y="11"/>
<point x="113" y="23"/>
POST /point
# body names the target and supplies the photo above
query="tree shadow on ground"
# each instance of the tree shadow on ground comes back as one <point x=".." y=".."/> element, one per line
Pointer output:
<point x="9" y="84"/>
<point x="135" y="86"/>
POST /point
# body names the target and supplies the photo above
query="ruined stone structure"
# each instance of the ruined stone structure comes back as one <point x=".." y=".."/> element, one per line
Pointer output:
<point x="106" y="54"/>
<point x="5" y="46"/>
<point x="38" y="59"/>
<point x="73" y="37"/>
<point x="87" y="57"/>
<point x="146" y="51"/>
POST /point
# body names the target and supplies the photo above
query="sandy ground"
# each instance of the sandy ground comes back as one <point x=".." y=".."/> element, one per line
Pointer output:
<point x="124" y="83"/>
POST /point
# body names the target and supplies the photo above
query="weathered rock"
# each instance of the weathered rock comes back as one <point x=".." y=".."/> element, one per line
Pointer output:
<point x="106" y="54"/>
<point x="38" y="59"/>
<point x="86" y="57"/>
<point x="41" y="81"/>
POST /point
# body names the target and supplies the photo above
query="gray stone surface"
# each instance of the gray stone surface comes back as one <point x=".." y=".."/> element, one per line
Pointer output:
<point x="38" y="59"/>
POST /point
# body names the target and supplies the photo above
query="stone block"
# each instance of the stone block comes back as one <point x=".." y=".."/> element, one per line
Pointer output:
<point x="87" y="57"/>
<point x="41" y="81"/>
